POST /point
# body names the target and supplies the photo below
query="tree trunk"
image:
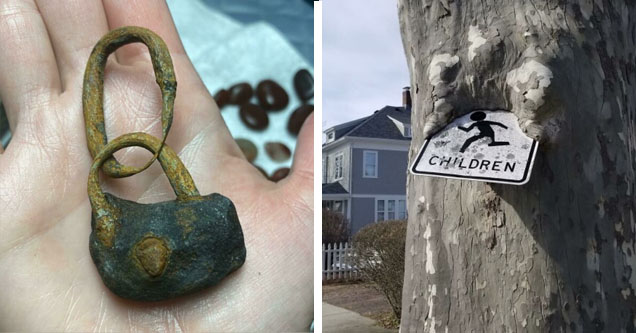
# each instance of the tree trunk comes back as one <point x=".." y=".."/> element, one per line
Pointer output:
<point x="558" y="253"/>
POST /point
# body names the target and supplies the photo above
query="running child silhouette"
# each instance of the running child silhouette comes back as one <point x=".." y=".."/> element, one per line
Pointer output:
<point x="485" y="131"/>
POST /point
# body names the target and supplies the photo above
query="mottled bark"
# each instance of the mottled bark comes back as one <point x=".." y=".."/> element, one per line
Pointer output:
<point x="556" y="254"/>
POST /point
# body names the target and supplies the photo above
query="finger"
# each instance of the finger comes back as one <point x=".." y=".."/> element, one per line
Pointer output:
<point x="302" y="171"/>
<point x="74" y="27"/>
<point x="27" y="61"/>
<point x="150" y="14"/>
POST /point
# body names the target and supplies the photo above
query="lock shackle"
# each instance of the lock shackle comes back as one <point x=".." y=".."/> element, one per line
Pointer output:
<point x="179" y="177"/>
<point x="93" y="92"/>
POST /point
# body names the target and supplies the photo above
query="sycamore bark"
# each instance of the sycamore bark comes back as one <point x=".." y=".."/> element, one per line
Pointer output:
<point x="558" y="253"/>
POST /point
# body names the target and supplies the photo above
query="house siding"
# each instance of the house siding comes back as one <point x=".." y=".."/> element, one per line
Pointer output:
<point x="392" y="170"/>
<point x="362" y="211"/>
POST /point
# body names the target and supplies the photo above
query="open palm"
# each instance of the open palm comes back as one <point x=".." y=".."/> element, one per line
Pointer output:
<point x="47" y="276"/>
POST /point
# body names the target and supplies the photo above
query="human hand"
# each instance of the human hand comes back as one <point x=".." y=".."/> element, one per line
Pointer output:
<point x="48" y="278"/>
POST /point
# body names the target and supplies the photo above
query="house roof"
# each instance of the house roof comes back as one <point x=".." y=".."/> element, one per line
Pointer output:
<point x="377" y="125"/>
<point x="342" y="129"/>
<point x="333" y="188"/>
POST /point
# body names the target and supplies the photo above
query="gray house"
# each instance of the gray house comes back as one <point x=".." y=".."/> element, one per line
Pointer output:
<point x="364" y="165"/>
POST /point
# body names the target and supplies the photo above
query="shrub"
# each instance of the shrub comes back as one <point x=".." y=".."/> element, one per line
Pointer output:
<point x="379" y="251"/>
<point x="334" y="227"/>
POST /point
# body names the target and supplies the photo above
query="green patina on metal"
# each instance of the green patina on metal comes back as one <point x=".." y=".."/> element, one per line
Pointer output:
<point x="152" y="252"/>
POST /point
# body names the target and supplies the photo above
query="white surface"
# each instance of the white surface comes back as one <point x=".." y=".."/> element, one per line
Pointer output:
<point x="519" y="78"/>
<point x="476" y="39"/>
<point x="435" y="68"/>
<point x="510" y="164"/>
<point x="200" y="26"/>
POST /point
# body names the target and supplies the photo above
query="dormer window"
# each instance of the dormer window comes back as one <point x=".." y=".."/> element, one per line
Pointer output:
<point x="407" y="131"/>
<point x="330" y="136"/>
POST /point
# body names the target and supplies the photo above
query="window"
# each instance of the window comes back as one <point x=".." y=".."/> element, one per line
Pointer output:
<point x="379" y="211"/>
<point x="325" y="168"/>
<point x="407" y="131"/>
<point x="390" y="209"/>
<point x="337" y="174"/>
<point x="339" y="206"/>
<point x="401" y="209"/>
<point x="370" y="164"/>
<point x="330" y="136"/>
<point x="390" y="212"/>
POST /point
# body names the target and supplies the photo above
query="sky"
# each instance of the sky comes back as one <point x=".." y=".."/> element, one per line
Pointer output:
<point x="364" y="67"/>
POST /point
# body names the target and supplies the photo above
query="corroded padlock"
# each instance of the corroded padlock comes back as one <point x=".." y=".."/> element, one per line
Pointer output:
<point x="151" y="252"/>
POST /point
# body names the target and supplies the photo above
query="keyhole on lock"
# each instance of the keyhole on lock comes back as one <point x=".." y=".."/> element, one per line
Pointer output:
<point x="152" y="254"/>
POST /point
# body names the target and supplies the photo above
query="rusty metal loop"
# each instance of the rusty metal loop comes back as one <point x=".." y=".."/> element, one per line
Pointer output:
<point x="179" y="177"/>
<point x="93" y="92"/>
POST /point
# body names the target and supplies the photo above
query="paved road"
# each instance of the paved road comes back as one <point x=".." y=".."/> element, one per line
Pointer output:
<point x="337" y="319"/>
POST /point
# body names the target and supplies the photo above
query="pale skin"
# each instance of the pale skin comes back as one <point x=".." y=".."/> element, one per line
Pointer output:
<point x="48" y="279"/>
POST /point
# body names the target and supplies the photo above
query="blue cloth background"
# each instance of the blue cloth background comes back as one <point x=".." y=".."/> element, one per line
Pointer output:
<point x="226" y="51"/>
<point x="293" y="18"/>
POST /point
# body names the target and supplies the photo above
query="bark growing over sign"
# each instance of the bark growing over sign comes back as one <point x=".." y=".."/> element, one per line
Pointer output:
<point x="556" y="254"/>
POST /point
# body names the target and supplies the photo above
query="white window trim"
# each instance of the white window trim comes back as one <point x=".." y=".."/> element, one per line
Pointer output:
<point x="335" y="166"/>
<point x="407" y="131"/>
<point x="386" y="207"/>
<point x="375" y="152"/>
<point x="323" y="176"/>
<point x="397" y="209"/>
<point x="331" y="136"/>
<point x="347" y="204"/>
<point x="342" y="206"/>
<point x="375" y="214"/>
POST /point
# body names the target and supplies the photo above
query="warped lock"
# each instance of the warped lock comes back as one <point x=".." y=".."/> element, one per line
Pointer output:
<point x="152" y="252"/>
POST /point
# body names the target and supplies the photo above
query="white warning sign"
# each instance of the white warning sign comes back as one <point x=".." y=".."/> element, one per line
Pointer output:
<point x="487" y="146"/>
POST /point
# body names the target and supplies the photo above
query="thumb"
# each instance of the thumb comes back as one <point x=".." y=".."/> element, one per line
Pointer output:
<point x="300" y="182"/>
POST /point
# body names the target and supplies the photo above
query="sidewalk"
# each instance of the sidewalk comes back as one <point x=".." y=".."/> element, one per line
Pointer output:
<point x="337" y="319"/>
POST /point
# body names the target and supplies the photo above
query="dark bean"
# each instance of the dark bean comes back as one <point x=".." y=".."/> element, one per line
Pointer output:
<point x="240" y="93"/>
<point x="279" y="174"/>
<point x="277" y="151"/>
<point x="304" y="85"/>
<point x="271" y="96"/>
<point x="297" y="118"/>
<point x="222" y="97"/>
<point x="248" y="148"/>
<point x="253" y="116"/>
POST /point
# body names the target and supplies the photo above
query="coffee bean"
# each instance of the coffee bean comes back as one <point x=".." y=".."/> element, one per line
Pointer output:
<point x="253" y="116"/>
<point x="297" y="118"/>
<point x="279" y="174"/>
<point x="271" y="96"/>
<point x="277" y="151"/>
<point x="304" y="85"/>
<point x="248" y="148"/>
<point x="222" y="97"/>
<point x="240" y="93"/>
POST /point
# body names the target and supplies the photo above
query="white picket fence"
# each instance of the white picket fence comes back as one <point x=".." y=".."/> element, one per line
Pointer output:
<point x="337" y="262"/>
